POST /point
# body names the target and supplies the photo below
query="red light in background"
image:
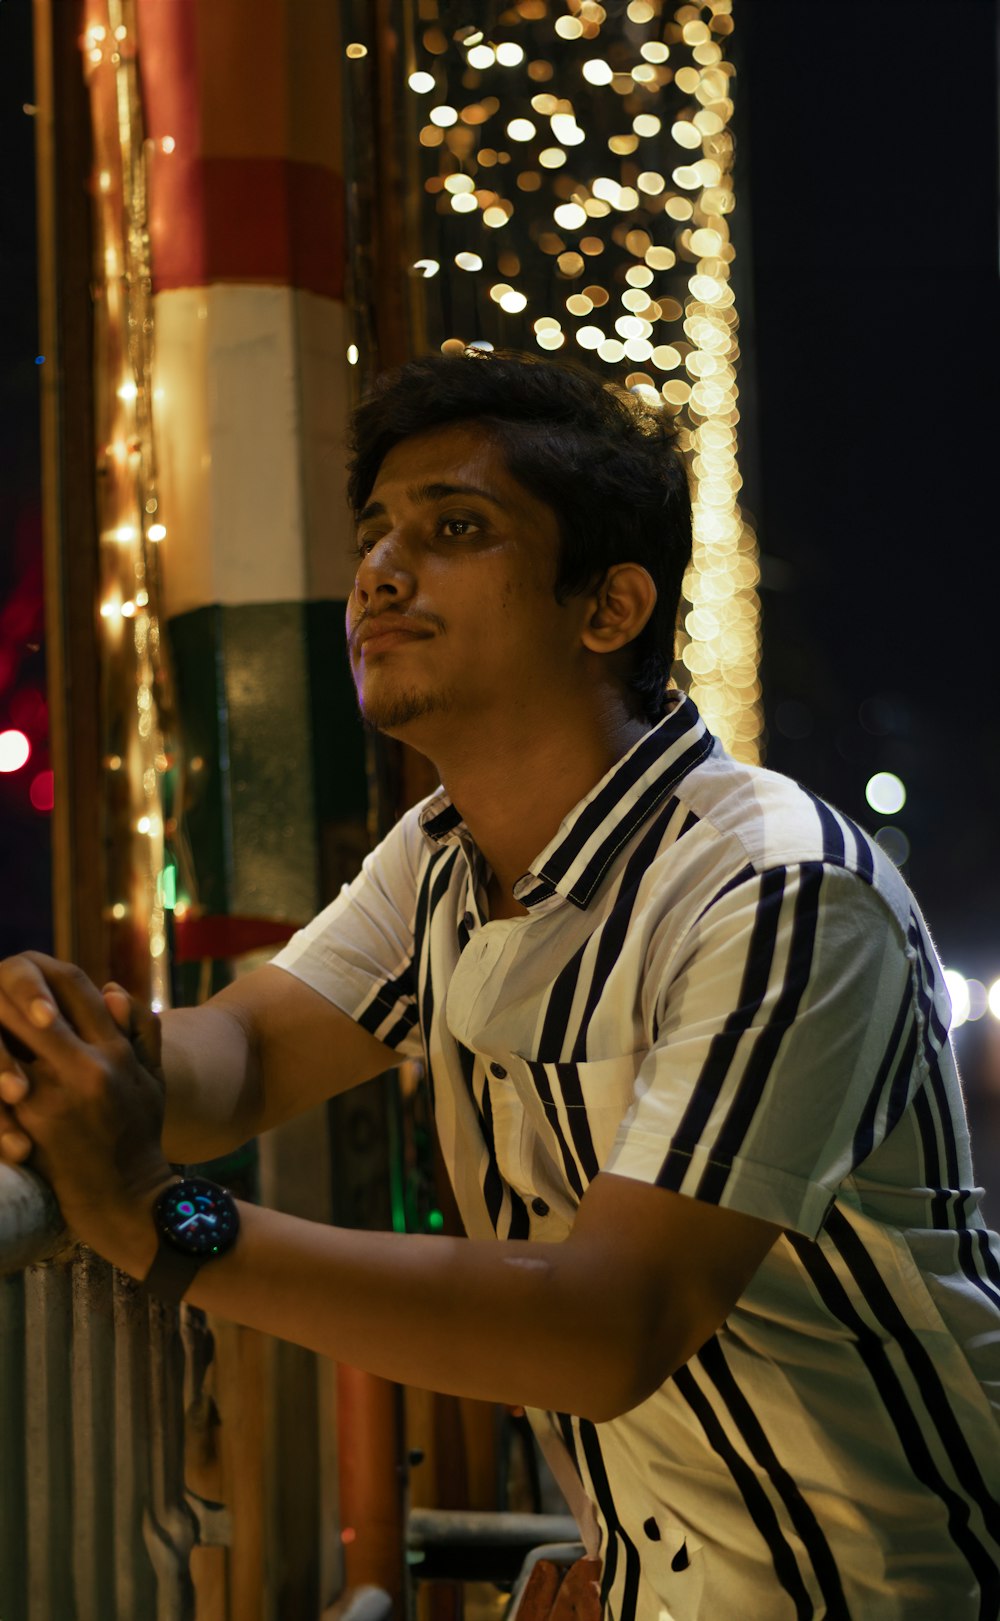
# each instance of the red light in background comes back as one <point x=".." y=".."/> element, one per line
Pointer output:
<point x="15" y="750"/>
<point x="42" y="791"/>
<point x="29" y="711"/>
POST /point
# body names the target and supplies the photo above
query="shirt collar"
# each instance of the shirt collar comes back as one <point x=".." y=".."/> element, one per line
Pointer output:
<point x="574" y="862"/>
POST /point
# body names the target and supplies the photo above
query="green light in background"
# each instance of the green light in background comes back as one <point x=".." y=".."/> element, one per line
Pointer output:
<point x="435" y="1221"/>
<point x="168" y="879"/>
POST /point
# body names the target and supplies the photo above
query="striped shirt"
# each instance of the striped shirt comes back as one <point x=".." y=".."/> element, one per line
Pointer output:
<point x="725" y="988"/>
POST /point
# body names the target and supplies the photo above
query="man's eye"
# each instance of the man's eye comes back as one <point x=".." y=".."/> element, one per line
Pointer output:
<point x="462" y="526"/>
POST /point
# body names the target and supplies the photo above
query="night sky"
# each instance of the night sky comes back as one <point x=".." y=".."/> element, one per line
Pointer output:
<point x="866" y="228"/>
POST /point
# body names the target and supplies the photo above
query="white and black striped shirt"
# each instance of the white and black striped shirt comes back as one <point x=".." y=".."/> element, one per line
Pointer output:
<point x="723" y="987"/>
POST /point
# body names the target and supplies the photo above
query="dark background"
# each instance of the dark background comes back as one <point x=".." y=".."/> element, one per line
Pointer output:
<point x="866" y="230"/>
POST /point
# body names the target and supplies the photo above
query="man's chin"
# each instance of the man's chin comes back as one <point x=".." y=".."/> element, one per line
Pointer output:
<point x="396" y="716"/>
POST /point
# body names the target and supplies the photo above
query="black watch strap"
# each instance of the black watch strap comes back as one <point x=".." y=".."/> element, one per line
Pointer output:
<point x="172" y="1273"/>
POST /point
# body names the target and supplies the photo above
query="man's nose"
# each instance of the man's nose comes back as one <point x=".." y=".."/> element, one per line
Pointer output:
<point x="385" y="570"/>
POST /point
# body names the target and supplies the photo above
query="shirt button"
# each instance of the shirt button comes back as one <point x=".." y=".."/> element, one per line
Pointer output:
<point x="539" y="1207"/>
<point x="499" y="1071"/>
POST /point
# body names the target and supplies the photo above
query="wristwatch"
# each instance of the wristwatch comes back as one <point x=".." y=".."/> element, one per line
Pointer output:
<point x="197" y="1221"/>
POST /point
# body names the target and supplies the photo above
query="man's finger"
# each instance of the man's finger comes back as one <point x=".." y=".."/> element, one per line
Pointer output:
<point x="119" y="1005"/>
<point x="14" y="1145"/>
<point x="41" y="986"/>
<point x="13" y="1087"/>
<point x="139" y="1023"/>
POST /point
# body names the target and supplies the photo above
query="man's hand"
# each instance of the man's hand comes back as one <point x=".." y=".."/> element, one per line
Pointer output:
<point x="85" y="1099"/>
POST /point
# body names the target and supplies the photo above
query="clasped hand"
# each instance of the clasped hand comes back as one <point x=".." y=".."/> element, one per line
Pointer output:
<point x="81" y="1094"/>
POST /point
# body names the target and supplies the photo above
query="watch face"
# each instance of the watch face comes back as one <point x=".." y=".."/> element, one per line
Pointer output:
<point x="197" y="1217"/>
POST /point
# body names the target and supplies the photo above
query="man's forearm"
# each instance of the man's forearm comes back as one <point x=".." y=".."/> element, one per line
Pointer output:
<point x="213" y="1084"/>
<point x="528" y="1324"/>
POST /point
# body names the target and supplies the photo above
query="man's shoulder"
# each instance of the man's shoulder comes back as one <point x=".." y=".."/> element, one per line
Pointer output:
<point x="756" y="819"/>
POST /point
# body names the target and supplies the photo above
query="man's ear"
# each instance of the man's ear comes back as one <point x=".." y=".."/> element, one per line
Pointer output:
<point x="622" y="605"/>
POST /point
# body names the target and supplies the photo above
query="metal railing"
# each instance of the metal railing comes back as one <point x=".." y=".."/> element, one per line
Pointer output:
<point x="31" y="1227"/>
<point x="94" y="1521"/>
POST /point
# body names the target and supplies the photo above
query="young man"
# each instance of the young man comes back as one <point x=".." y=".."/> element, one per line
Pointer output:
<point x="686" y="1037"/>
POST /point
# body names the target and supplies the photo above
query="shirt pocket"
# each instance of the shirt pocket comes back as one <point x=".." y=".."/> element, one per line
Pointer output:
<point x="671" y="1560"/>
<point x="576" y="1109"/>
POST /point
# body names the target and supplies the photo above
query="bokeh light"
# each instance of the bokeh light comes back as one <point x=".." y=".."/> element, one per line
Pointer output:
<point x="42" y="791"/>
<point x="582" y="172"/>
<point x="885" y="793"/>
<point x="15" y="750"/>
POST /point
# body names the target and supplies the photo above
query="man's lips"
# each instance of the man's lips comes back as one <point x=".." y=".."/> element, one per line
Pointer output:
<point x="375" y="637"/>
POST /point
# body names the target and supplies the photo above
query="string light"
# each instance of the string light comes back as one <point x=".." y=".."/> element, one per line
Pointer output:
<point x="134" y="683"/>
<point x="651" y="238"/>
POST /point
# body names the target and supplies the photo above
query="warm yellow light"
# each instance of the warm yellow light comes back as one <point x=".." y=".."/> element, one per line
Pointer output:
<point x="509" y="55"/>
<point x="356" y="51"/>
<point x="597" y="72"/>
<point x="352" y="354"/>
<point x="513" y="302"/>
<point x="468" y="261"/>
<point x="481" y="56"/>
<point x="444" y="117"/>
<point x="665" y="357"/>
<point x="128" y="392"/>
<point x="168" y="144"/>
<point x="570" y="216"/>
<point x="157" y="531"/>
<point x="686" y="133"/>
<point x="520" y="129"/>
<point x="566" y="129"/>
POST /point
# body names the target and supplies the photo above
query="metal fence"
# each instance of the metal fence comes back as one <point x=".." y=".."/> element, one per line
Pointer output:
<point x="94" y="1523"/>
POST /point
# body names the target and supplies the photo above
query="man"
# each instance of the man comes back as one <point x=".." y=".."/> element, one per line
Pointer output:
<point x="686" y="1037"/>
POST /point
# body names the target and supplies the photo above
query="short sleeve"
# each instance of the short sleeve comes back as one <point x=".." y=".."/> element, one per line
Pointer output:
<point x="358" y="952"/>
<point x="785" y="1047"/>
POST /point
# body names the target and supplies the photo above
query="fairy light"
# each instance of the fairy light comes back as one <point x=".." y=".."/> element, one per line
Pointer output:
<point x="133" y="677"/>
<point x="584" y="166"/>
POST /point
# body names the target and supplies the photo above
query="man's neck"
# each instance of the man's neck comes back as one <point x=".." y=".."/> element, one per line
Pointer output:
<point x="513" y="792"/>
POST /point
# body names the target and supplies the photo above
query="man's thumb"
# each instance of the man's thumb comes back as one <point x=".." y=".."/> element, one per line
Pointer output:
<point x="119" y="1005"/>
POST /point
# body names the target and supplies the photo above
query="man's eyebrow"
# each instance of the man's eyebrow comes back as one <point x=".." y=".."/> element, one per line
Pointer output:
<point x="421" y="493"/>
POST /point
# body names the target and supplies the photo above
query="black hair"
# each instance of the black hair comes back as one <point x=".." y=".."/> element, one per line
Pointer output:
<point x="604" y="462"/>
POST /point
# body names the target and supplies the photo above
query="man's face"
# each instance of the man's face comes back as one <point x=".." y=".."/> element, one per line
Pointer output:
<point x="451" y="546"/>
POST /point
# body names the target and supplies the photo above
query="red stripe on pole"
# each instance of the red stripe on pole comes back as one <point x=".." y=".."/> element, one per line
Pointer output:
<point x="198" y="937"/>
<point x="237" y="216"/>
<point x="270" y="220"/>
